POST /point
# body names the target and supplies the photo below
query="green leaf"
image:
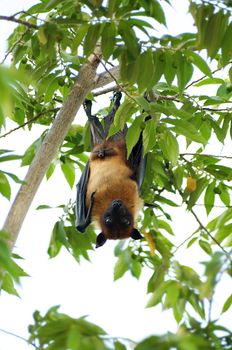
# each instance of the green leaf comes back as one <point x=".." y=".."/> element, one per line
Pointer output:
<point x="157" y="12"/>
<point x="215" y="30"/>
<point x="165" y="226"/>
<point x="192" y="241"/>
<point x="166" y="201"/>
<point x="111" y="7"/>
<point x="14" y="177"/>
<point x="201" y="185"/>
<point x="58" y="238"/>
<point x="8" y="285"/>
<point x="136" y="268"/>
<point x="209" y="81"/>
<point x="149" y="135"/>
<point x="205" y="246"/>
<point x="220" y="220"/>
<point x="173" y="292"/>
<point x="91" y="38"/>
<point x="79" y="35"/>
<point x="225" y="196"/>
<point x="223" y="233"/>
<point x="184" y="72"/>
<point x="178" y="176"/>
<point x="74" y="337"/>
<point x="129" y="71"/>
<point x="197" y="304"/>
<point x="158" y="294"/>
<point x="185" y="128"/>
<point x="119" y="346"/>
<point x="130" y="39"/>
<point x="227" y="45"/>
<point x="69" y="172"/>
<point x="209" y="197"/>
<point x="146" y="70"/>
<point x="169" y="70"/>
<point x="5" y="189"/>
<point x="108" y="39"/>
<point x="169" y="146"/>
<point x="133" y="134"/>
<point x="122" y="115"/>
<point x="159" y="66"/>
<point x="227" y="304"/>
<point x="121" y="266"/>
<point x="144" y="104"/>
<point x="179" y="309"/>
<point x="50" y="170"/>
<point x="199" y="62"/>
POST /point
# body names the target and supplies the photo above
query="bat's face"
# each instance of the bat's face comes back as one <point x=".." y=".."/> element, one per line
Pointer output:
<point x="117" y="220"/>
<point x="117" y="223"/>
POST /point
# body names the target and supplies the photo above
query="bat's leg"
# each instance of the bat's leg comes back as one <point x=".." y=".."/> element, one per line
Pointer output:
<point x="88" y="108"/>
<point x="117" y="98"/>
<point x="108" y="120"/>
<point x="97" y="131"/>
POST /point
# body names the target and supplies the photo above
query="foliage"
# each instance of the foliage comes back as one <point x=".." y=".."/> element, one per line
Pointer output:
<point x="178" y="81"/>
<point x="55" y="330"/>
<point x="10" y="272"/>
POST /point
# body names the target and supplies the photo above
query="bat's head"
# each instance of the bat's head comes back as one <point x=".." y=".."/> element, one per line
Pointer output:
<point x="117" y="223"/>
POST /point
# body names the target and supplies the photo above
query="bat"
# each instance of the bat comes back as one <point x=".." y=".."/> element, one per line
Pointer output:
<point x="108" y="192"/>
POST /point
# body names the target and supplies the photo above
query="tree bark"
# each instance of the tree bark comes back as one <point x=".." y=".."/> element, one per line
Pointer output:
<point x="86" y="81"/>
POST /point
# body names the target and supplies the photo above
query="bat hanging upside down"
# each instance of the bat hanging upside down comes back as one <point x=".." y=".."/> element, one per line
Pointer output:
<point x="108" y="190"/>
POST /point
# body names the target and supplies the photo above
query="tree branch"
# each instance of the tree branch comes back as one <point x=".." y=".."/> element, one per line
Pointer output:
<point x="85" y="82"/>
<point x="107" y="77"/>
<point x="30" y="121"/>
<point x="20" y="21"/>
<point x="15" y="44"/>
<point x="17" y="336"/>
<point x="209" y="234"/>
<point x="107" y="90"/>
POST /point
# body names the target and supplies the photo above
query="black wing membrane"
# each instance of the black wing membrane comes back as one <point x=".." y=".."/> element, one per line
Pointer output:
<point x="137" y="162"/>
<point x="83" y="216"/>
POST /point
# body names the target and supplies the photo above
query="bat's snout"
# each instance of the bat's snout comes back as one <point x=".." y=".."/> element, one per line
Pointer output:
<point x="116" y="203"/>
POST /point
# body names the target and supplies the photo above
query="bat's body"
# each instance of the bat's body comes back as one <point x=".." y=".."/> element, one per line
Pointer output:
<point x="108" y="191"/>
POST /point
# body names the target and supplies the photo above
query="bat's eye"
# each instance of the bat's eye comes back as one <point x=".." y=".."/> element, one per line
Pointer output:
<point x="126" y="221"/>
<point x="108" y="220"/>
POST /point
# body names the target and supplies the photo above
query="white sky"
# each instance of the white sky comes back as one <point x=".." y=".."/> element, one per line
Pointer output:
<point x="85" y="289"/>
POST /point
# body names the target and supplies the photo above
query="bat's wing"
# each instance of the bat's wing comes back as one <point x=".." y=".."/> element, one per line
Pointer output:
<point x="83" y="215"/>
<point x="137" y="162"/>
<point x="96" y="129"/>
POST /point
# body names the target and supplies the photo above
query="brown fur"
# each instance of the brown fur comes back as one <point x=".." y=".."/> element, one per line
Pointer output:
<point x="110" y="179"/>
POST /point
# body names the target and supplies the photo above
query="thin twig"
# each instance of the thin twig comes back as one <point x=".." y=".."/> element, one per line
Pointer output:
<point x="20" y="21"/>
<point x="128" y="340"/>
<point x="209" y="234"/>
<point x="30" y="121"/>
<point x="19" y="337"/>
<point x="186" y="240"/>
<point x="117" y="83"/>
<point x="204" y="155"/>
<point x="217" y="109"/>
<point x="15" y="44"/>
<point x="203" y="77"/>
<point x="29" y="14"/>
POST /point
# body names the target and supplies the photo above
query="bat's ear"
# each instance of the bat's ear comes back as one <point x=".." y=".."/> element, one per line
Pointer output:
<point x="100" y="240"/>
<point x="136" y="234"/>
